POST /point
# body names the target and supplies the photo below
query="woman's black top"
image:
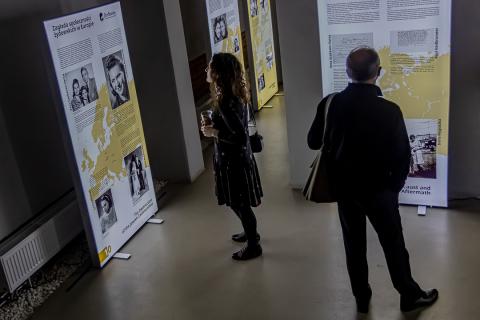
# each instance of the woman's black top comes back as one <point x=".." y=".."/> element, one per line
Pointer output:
<point x="237" y="181"/>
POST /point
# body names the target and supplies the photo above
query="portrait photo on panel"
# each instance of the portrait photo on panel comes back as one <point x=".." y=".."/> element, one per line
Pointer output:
<point x="137" y="176"/>
<point x="220" y="28"/>
<point x="236" y="45"/>
<point x="264" y="6"/>
<point x="116" y="75"/>
<point x="261" y="82"/>
<point x="81" y="87"/>
<point x="269" y="56"/>
<point x="253" y="8"/>
<point x="423" y="135"/>
<point x="106" y="211"/>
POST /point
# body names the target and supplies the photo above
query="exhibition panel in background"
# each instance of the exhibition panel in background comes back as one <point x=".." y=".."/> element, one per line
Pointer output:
<point x="100" y="105"/>
<point x="413" y="40"/>
<point x="224" y="27"/>
<point x="263" y="50"/>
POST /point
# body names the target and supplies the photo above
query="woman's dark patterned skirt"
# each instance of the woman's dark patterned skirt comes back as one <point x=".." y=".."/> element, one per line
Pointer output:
<point x="238" y="184"/>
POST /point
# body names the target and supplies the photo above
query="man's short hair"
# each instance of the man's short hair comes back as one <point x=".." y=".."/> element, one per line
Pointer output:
<point x="83" y="69"/>
<point x="362" y="64"/>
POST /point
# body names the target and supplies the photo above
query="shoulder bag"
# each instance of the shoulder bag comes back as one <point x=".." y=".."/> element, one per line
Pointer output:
<point x="318" y="188"/>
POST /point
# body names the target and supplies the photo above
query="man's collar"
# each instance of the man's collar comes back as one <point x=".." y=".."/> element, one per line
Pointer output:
<point x="366" y="87"/>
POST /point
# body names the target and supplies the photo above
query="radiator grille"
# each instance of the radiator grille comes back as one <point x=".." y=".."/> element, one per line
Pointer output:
<point x="30" y="254"/>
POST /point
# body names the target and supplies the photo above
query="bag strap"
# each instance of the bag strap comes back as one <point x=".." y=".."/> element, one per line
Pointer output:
<point x="251" y="114"/>
<point x="327" y="108"/>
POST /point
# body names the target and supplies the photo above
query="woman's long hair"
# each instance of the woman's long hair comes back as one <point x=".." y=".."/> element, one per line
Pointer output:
<point x="228" y="79"/>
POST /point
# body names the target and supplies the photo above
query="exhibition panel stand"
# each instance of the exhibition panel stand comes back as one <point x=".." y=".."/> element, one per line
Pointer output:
<point x="263" y="69"/>
<point x="413" y="41"/>
<point x="103" y="128"/>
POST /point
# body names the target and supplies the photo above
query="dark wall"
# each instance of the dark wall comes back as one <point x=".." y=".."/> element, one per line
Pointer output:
<point x="464" y="150"/>
<point x="30" y="119"/>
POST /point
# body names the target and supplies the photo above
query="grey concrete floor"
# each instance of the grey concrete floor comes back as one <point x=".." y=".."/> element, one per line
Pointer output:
<point x="182" y="269"/>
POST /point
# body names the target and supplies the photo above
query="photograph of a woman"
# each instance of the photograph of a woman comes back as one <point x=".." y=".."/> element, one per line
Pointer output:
<point x="137" y="176"/>
<point x="106" y="211"/>
<point x="76" y="102"/>
<point x="237" y="180"/>
<point x="220" y="30"/>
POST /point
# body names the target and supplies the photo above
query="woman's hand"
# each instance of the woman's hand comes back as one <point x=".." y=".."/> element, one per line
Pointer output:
<point x="209" y="131"/>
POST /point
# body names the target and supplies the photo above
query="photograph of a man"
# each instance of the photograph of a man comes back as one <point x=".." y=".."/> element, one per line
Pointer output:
<point x="134" y="162"/>
<point x="220" y="29"/>
<point x="117" y="79"/>
<point x="106" y="211"/>
<point x="253" y="8"/>
<point x="89" y="84"/>
<point x="423" y="146"/>
<point x="369" y="160"/>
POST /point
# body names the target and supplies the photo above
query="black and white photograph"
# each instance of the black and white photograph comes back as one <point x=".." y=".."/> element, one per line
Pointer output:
<point x="423" y="135"/>
<point x="137" y="176"/>
<point x="116" y="75"/>
<point x="269" y="56"/>
<point x="236" y="45"/>
<point x="253" y="8"/>
<point x="261" y="82"/>
<point x="264" y="6"/>
<point x="220" y="28"/>
<point x="81" y="87"/>
<point x="106" y="211"/>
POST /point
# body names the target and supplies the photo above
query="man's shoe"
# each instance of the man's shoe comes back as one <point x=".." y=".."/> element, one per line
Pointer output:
<point x="363" y="303"/>
<point x="427" y="298"/>
<point x="248" y="253"/>
<point x="242" y="237"/>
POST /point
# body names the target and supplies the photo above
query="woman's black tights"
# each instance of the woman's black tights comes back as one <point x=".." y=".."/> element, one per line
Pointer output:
<point x="249" y="223"/>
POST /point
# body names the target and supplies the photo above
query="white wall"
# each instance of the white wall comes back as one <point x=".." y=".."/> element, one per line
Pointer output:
<point x="299" y="45"/>
<point x="193" y="149"/>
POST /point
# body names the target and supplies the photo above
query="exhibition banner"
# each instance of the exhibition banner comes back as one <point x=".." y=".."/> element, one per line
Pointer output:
<point x="263" y="50"/>
<point x="95" y="79"/>
<point x="413" y="40"/>
<point x="224" y="26"/>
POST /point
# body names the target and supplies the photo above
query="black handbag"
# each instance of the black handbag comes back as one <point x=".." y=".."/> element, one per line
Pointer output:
<point x="256" y="139"/>
<point x="318" y="187"/>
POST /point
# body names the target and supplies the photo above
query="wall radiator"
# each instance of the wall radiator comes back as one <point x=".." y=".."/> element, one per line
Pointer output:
<point x="32" y="247"/>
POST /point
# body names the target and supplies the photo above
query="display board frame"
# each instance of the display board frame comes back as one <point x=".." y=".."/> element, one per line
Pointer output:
<point x="414" y="44"/>
<point x="102" y="127"/>
<point x="261" y="53"/>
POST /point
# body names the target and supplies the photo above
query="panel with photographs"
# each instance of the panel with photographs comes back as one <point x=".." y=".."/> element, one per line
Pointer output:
<point x="423" y="135"/>
<point x="106" y="211"/>
<point x="137" y="176"/>
<point x="81" y="87"/>
<point x="116" y="75"/>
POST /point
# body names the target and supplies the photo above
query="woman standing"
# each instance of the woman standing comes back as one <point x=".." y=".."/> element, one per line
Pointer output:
<point x="236" y="175"/>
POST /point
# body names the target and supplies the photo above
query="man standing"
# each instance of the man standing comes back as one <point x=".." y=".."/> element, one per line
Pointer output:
<point x="369" y="152"/>
<point x="89" y="84"/>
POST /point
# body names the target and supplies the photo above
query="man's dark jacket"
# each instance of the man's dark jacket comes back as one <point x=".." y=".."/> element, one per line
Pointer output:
<point x="366" y="141"/>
